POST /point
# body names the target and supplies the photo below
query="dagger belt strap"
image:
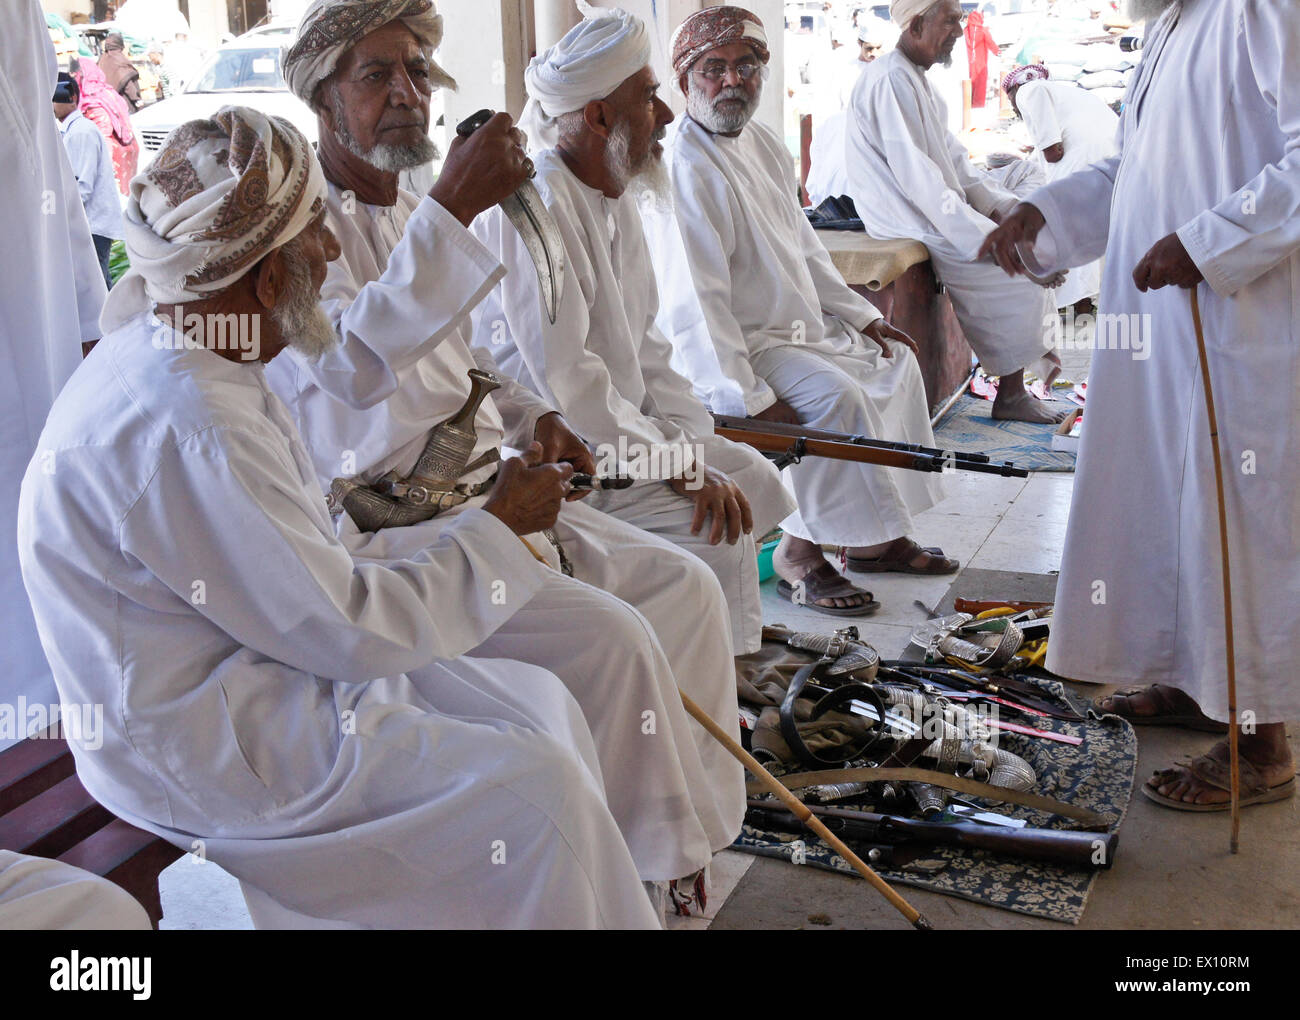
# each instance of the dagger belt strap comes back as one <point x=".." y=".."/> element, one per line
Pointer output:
<point x="797" y="781"/>
<point x="437" y="494"/>
<point x="419" y="490"/>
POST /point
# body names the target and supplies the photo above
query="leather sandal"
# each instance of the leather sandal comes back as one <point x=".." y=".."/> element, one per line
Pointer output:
<point x="825" y="582"/>
<point x="1197" y="720"/>
<point x="1212" y="772"/>
<point x="898" y="557"/>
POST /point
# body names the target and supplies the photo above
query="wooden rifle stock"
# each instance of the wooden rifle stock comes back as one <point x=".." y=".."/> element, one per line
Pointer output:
<point x="1058" y="846"/>
<point x="798" y="441"/>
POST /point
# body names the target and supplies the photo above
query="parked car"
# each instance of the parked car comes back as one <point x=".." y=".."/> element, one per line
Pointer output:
<point x="246" y="72"/>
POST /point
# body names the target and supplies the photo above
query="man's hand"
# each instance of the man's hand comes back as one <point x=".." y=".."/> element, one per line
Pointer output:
<point x="779" y="413"/>
<point x="561" y="445"/>
<point x="1021" y="224"/>
<point x="527" y="494"/>
<point x="481" y="170"/>
<point x="718" y="496"/>
<point x="880" y="331"/>
<point x="1166" y="263"/>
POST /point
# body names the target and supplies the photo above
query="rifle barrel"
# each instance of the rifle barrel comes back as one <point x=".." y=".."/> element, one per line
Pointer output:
<point x="777" y="428"/>
<point x="1058" y="846"/>
<point x="772" y="437"/>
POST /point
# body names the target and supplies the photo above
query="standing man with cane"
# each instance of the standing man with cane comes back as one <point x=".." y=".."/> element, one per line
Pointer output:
<point x="1202" y="195"/>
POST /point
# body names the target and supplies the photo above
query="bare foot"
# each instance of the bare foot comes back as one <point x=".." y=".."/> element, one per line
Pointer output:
<point x="1016" y="404"/>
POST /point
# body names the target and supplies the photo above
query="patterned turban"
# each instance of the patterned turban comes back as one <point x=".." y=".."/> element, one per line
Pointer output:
<point x="903" y="11"/>
<point x="713" y="27"/>
<point x="220" y="195"/>
<point x="329" y="28"/>
<point x="1018" y="77"/>
<point x="593" y="59"/>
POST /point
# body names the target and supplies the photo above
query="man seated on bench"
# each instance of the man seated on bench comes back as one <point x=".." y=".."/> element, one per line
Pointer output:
<point x="299" y="714"/>
<point x="766" y="327"/>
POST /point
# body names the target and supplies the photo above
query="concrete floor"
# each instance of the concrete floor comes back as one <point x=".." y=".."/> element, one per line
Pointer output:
<point x="1172" y="870"/>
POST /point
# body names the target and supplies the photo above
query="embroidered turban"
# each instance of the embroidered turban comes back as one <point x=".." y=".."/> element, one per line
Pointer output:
<point x="219" y="196"/>
<point x="713" y="27"/>
<point x="329" y="28"/>
<point x="1027" y="73"/>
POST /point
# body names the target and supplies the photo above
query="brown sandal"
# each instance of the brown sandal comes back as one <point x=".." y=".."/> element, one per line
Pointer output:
<point x="825" y="582"/>
<point x="898" y="557"/>
<point x="1197" y="720"/>
<point x="1212" y="772"/>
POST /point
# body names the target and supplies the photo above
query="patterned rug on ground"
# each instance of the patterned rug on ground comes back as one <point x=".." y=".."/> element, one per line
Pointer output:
<point x="1097" y="774"/>
<point x="968" y="428"/>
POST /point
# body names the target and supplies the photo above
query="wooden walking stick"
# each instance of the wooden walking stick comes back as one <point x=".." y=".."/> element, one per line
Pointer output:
<point x="800" y="810"/>
<point x="1234" y="758"/>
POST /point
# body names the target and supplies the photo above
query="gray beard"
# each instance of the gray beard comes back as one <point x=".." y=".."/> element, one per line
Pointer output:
<point x="705" y="113"/>
<point x="649" y="180"/>
<point x="392" y="159"/>
<point x="1148" y="10"/>
<point x="298" y="316"/>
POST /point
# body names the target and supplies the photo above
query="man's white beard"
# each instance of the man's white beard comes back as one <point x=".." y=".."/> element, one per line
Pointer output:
<point x="649" y="180"/>
<point x="703" y="111"/>
<point x="1148" y="10"/>
<point x="298" y="316"/>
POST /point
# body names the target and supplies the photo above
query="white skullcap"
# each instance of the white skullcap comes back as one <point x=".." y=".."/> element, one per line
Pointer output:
<point x="903" y="11"/>
<point x="593" y="59"/>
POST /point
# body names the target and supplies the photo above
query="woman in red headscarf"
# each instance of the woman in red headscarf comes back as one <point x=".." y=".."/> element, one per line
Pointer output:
<point x="979" y="44"/>
<point x="104" y="107"/>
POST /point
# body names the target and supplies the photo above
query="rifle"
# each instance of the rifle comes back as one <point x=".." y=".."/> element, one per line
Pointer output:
<point x="788" y="444"/>
<point x="1069" y="848"/>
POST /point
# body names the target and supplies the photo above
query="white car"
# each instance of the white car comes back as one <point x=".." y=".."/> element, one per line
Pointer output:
<point x="246" y="72"/>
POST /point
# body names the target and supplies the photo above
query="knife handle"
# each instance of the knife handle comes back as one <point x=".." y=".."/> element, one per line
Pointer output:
<point x="473" y="122"/>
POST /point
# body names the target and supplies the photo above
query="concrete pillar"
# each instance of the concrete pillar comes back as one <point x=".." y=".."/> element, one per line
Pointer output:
<point x="486" y="46"/>
<point x="553" y="18"/>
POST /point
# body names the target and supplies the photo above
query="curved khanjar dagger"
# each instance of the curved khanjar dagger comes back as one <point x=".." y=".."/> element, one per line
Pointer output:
<point x="541" y="236"/>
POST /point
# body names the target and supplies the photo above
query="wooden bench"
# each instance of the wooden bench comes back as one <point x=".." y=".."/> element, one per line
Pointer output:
<point x="46" y="812"/>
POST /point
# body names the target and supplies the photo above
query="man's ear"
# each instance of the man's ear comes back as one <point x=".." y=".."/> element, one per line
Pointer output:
<point x="599" y="117"/>
<point x="269" y="279"/>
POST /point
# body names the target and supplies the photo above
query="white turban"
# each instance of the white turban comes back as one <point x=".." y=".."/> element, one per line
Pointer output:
<point x="219" y="196"/>
<point x="593" y="59"/>
<point x="903" y="11"/>
<point x="329" y="28"/>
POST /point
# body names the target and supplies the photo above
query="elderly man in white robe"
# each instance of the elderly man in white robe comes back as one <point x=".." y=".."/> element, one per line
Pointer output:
<point x="766" y="327"/>
<point x="1204" y="193"/>
<point x="185" y="575"/>
<point x="1071" y="129"/>
<point x="366" y="66"/>
<point x="912" y="178"/>
<point x="603" y="363"/>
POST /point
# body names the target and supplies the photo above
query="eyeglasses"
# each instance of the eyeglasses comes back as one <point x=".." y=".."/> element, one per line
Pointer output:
<point x="716" y="70"/>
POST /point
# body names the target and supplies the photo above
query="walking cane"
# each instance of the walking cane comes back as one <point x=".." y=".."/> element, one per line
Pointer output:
<point x="1234" y="759"/>
<point x="800" y="810"/>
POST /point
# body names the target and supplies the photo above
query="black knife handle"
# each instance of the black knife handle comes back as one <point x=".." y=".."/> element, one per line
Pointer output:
<point x="473" y="122"/>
